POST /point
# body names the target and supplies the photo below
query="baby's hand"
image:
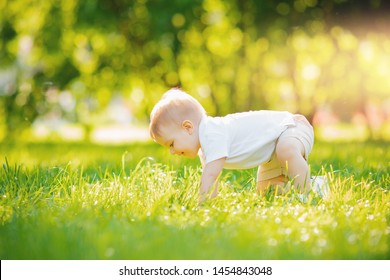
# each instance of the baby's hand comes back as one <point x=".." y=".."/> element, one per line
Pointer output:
<point x="209" y="179"/>
<point x="202" y="199"/>
<point x="204" y="196"/>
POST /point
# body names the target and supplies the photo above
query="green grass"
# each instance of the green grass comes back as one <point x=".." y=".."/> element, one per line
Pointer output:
<point x="80" y="201"/>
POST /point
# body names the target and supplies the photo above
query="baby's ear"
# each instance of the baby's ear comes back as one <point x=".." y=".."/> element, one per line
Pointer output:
<point x="187" y="125"/>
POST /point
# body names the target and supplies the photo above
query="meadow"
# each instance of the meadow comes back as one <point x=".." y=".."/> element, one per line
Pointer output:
<point x="88" y="201"/>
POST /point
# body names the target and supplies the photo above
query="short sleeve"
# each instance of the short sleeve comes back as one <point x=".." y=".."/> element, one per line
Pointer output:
<point x="214" y="140"/>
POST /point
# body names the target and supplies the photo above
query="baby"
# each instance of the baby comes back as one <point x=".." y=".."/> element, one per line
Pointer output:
<point x="278" y="143"/>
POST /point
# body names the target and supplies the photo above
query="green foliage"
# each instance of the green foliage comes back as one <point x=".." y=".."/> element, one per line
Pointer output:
<point x="76" y="201"/>
<point x="232" y="55"/>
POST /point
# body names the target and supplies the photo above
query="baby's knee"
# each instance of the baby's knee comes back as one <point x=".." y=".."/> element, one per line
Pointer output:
<point x="263" y="185"/>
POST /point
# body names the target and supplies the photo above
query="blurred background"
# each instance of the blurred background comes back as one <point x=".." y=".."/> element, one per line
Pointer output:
<point x="91" y="70"/>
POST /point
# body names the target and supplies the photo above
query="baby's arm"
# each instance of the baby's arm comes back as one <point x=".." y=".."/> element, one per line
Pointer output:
<point x="210" y="175"/>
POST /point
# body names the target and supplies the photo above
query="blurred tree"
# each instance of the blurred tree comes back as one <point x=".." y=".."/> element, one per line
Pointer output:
<point x="68" y="59"/>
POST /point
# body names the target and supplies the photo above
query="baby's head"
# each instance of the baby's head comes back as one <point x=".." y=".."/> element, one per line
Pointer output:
<point x="174" y="107"/>
<point x="176" y="110"/>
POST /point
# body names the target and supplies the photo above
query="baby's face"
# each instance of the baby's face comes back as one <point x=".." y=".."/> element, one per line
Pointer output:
<point x="180" y="140"/>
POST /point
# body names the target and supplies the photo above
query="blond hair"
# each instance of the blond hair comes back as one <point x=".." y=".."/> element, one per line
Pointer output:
<point x="174" y="107"/>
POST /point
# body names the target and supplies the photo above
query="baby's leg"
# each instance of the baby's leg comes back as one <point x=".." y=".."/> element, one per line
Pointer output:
<point x="271" y="174"/>
<point x="290" y="153"/>
<point x="278" y="182"/>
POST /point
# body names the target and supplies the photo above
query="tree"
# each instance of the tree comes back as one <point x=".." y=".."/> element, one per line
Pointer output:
<point x="69" y="59"/>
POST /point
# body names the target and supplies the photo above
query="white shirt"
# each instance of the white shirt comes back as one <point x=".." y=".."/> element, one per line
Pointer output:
<point x="246" y="139"/>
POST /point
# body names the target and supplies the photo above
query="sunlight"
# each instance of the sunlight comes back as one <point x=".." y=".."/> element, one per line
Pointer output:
<point x="120" y="134"/>
<point x="366" y="51"/>
<point x="311" y="72"/>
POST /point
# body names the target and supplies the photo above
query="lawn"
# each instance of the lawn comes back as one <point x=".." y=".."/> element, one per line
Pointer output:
<point x="86" y="201"/>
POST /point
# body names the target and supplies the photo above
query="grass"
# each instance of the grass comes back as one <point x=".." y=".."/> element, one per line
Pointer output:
<point x="83" y="201"/>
